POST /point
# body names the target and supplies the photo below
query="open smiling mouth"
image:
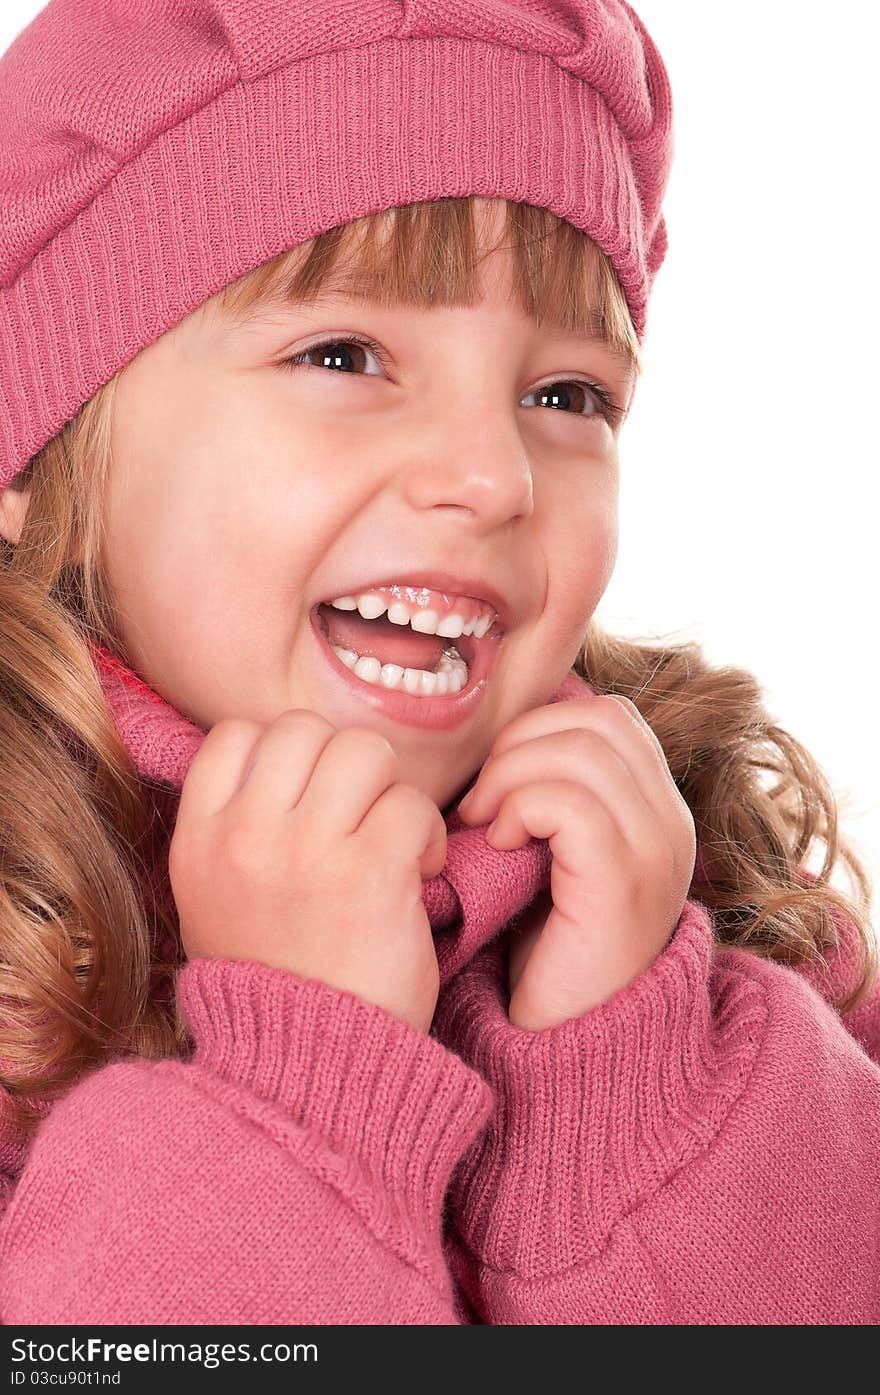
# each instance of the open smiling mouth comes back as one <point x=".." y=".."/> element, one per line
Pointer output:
<point x="406" y="669"/>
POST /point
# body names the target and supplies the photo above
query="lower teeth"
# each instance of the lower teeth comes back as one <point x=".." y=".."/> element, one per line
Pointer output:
<point x="449" y="678"/>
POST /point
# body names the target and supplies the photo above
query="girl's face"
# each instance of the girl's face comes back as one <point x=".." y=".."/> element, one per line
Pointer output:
<point x="242" y="493"/>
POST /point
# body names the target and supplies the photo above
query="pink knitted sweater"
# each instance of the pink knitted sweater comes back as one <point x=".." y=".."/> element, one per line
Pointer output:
<point x="702" y="1148"/>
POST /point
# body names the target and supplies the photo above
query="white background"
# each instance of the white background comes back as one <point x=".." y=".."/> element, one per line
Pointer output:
<point x="750" y="460"/>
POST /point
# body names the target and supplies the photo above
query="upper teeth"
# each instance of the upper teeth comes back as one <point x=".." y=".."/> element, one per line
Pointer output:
<point x="426" y="622"/>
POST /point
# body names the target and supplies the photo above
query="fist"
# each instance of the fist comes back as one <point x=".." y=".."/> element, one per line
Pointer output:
<point x="297" y="845"/>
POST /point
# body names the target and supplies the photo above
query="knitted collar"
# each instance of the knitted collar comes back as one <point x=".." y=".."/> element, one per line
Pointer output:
<point x="480" y="888"/>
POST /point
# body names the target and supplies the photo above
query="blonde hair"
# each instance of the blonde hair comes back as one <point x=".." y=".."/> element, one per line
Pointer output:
<point x="83" y="902"/>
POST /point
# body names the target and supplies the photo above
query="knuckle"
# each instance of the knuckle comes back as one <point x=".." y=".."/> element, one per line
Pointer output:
<point x="231" y="729"/>
<point x="586" y="745"/>
<point x="594" y="811"/>
<point x="622" y="708"/>
<point x="601" y="714"/>
<point x="243" y="845"/>
<point x="643" y="725"/>
<point x="400" y="804"/>
<point x="225" y="739"/>
<point x="300" y="719"/>
<point x="620" y="700"/>
<point x="401" y="815"/>
<point x="579" y="737"/>
<point x="370" y="744"/>
<point x="414" y="800"/>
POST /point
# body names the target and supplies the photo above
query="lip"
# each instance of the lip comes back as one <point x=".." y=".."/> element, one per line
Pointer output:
<point x="434" y="714"/>
<point x="450" y="584"/>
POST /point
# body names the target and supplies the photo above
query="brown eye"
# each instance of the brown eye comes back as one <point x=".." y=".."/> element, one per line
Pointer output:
<point x="336" y="355"/>
<point x="572" y="396"/>
<point x="347" y="355"/>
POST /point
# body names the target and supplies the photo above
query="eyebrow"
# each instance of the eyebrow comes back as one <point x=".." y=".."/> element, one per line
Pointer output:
<point x="270" y="305"/>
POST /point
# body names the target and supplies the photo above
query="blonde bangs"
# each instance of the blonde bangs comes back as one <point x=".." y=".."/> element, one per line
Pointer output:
<point x="423" y="255"/>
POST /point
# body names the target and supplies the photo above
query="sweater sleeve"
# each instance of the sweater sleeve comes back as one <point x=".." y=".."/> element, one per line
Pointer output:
<point x="702" y="1148"/>
<point x="292" y="1171"/>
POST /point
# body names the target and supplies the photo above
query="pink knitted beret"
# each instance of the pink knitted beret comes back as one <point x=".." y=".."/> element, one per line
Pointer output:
<point x="153" y="151"/>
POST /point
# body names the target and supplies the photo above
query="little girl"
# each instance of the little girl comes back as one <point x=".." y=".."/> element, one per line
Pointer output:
<point x="319" y="328"/>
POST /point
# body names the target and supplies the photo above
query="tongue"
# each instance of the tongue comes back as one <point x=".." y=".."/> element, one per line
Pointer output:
<point x="379" y="639"/>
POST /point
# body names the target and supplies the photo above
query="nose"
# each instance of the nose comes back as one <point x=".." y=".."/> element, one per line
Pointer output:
<point x="474" y="462"/>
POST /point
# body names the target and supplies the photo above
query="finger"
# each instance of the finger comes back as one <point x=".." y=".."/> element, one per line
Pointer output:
<point x="281" y="764"/>
<point x="644" y="727"/>
<point x="640" y="750"/>
<point x="673" y="804"/>
<point x="613" y="714"/>
<point x="354" y="769"/>
<point x="583" y="757"/>
<point x="585" y="837"/>
<point x="217" y="768"/>
<point x="404" y="815"/>
<point x="604" y="718"/>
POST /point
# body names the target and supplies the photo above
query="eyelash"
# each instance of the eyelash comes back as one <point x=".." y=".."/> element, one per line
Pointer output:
<point x="607" y="406"/>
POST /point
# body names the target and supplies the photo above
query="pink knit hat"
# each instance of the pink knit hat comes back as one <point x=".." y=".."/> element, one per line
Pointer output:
<point x="151" y="153"/>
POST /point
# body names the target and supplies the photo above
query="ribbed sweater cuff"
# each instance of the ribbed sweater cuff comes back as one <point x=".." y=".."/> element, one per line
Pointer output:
<point x="373" y="1086"/>
<point x="594" y="1115"/>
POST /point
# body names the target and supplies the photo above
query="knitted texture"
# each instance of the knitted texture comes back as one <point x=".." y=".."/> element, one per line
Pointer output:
<point x="479" y="888"/>
<point x="704" y="1147"/>
<point x="152" y="153"/>
<point x="478" y="891"/>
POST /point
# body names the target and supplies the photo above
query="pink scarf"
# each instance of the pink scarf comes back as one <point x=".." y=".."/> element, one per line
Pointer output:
<point x="479" y="890"/>
<point x="476" y="894"/>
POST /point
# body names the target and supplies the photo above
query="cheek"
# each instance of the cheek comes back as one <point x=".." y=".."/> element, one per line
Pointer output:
<point x="585" y="556"/>
<point x="606" y="556"/>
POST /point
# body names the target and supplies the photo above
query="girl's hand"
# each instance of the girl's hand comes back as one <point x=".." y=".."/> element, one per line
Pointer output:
<point x="296" y="846"/>
<point x="589" y="775"/>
